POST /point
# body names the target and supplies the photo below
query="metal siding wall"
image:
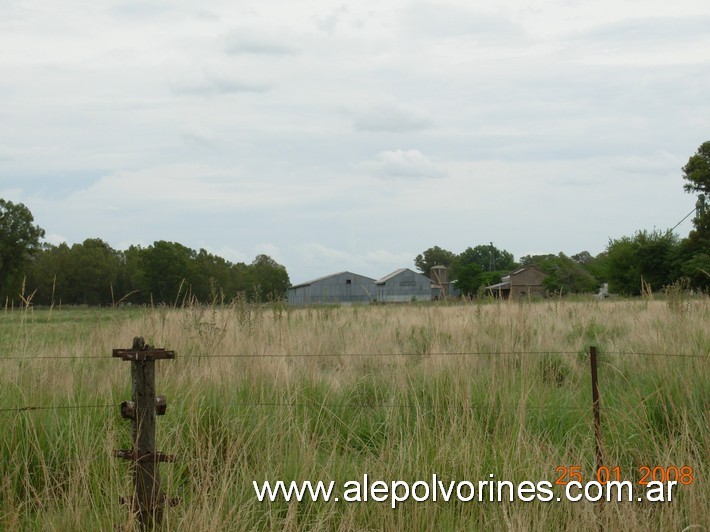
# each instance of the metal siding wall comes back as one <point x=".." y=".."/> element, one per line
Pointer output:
<point x="336" y="290"/>
<point x="395" y="292"/>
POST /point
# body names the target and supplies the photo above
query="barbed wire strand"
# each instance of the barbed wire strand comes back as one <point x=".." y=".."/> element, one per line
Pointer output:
<point x="373" y="355"/>
<point x="57" y="407"/>
<point x="355" y="406"/>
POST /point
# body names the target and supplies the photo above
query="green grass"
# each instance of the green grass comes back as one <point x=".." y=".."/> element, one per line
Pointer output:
<point x="231" y="421"/>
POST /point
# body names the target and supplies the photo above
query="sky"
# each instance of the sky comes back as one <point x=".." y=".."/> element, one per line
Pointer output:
<point x="352" y="136"/>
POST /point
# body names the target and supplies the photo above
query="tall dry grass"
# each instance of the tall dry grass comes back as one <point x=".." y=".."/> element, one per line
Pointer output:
<point x="397" y="392"/>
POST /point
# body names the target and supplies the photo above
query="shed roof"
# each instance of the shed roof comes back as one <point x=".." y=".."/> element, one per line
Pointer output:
<point x="398" y="272"/>
<point x="391" y="275"/>
<point x="521" y="270"/>
<point x="308" y="283"/>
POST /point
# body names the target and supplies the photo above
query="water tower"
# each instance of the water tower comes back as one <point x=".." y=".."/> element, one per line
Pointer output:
<point x="440" y="276"/>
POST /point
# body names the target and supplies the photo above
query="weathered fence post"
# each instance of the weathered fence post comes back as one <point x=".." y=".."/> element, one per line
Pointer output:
<point x="148" y="500"/>
<point x="595" y="407"/>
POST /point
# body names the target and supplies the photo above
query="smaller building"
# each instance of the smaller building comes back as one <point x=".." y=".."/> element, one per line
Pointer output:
<point x="522" y="283"/>
<point x="404" y="285"/>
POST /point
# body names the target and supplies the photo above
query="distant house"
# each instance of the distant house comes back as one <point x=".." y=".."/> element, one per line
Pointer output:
<point x="404" y="285"/>
<point x="524" y="282"/>
<point x="339" y="288"/>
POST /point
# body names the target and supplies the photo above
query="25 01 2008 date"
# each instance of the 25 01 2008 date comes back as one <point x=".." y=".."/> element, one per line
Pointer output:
<point x="683" y="475"/>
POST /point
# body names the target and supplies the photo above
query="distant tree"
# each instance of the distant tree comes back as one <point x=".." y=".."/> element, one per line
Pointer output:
<point x="270" y="278"/>
<point x="215" y="277"/>
<point x="132" y="278"/>
<point x="169" y="270"/>
<point x="480" y="266"/>
<point x="564" y="275"/>
<point x="488" y="257"/>
<point x="697" y="269"/>
<point x="583" y="257"/>
<point x="19" y="240"/>
<point x="696" y="247"/>
<point x="93" y="273"/>
<point x="434" y="256"/>
<point x="651" y="256"/>
<point x="242" y="278"/>
<point x="697" y="171"/>
<point x="597" y="267"/>
<point x="47" y="274"/>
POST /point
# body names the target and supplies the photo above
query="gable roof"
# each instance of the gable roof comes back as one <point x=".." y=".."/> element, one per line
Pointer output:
<point x="308" y="283"/>
<point x="398" y="272"/>
<point x="390" y="276"/>
<point x="525" y="268"/>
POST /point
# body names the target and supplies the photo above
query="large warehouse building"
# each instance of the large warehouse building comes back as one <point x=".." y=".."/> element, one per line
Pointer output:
<point x="342" y="287"/>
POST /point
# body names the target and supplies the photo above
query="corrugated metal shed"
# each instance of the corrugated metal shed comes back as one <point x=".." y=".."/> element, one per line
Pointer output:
<point x="404" y="285"/>
<point x="342" y="287"/>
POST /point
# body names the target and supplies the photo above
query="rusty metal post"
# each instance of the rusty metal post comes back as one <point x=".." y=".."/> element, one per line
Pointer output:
<point x="595" y="407"/>
<point x="148" y="500"/>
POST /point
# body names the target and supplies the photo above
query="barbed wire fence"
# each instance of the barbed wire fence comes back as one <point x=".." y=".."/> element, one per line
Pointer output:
<point x="37" y="358"/>
<point x="148" y="501"/>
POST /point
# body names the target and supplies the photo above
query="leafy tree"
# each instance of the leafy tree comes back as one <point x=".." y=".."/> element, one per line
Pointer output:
<point x="583" y="257"/>
<point x="480" y="266"/>
<point x="697" y="171"/>
<point x="19" y="240"/>
<point x="132" y="280"/>
<point x="215" y="277"/>
<point x="93" y="273"/>
<point x="564" y="275"/>
<point x="433" y="257"/>
<point x="169" y="271"/>
<point x="270" y="278"/>
<point x="47" y="274"/>
<point x="488" y="258"/>
<point x="697" y="269"/>
<point x="696" y="247"/>
<point x="651" y="256"/>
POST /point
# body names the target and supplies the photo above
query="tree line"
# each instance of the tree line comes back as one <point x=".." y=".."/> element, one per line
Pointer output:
<point x="629" y="264"/>
<point x="93" y="273"/>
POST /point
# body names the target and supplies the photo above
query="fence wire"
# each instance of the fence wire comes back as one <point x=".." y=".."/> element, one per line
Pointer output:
<point x="332" y="355"/>
<point x="366" y="355"/>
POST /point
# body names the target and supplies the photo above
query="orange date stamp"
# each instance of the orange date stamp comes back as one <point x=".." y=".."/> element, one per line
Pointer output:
<point x="682" y="475"/>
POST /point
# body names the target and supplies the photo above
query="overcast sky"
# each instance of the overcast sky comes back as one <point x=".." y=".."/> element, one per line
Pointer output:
<point x="352" y="135"/>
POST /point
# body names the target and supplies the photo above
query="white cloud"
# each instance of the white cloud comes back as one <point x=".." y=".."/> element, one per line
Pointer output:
<point x="252" y="128"/>
<point x="328" y="23"/>
<point x="430" y="20"/>
<point x="195" y="134"/>
<point x="658" y="163"/>
<point x="6" y="153"/>
<point x="385" y="118"/>
<point x="404" y="164"/>
<point x="244" y="41"/>
<point x="210" y="85"/>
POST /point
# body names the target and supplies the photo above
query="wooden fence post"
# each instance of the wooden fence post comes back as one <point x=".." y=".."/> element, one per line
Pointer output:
<point x="595" y="407"/>
<point x="148" y="500"/>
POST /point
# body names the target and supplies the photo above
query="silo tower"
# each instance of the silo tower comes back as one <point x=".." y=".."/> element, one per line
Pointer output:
<point x="440" y="276"/>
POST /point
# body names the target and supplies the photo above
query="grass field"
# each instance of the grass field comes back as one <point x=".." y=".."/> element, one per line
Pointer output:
<point x="395" y="392"/>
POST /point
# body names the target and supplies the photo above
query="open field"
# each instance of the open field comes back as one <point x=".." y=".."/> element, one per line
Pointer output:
<point x="396" y="392"/>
